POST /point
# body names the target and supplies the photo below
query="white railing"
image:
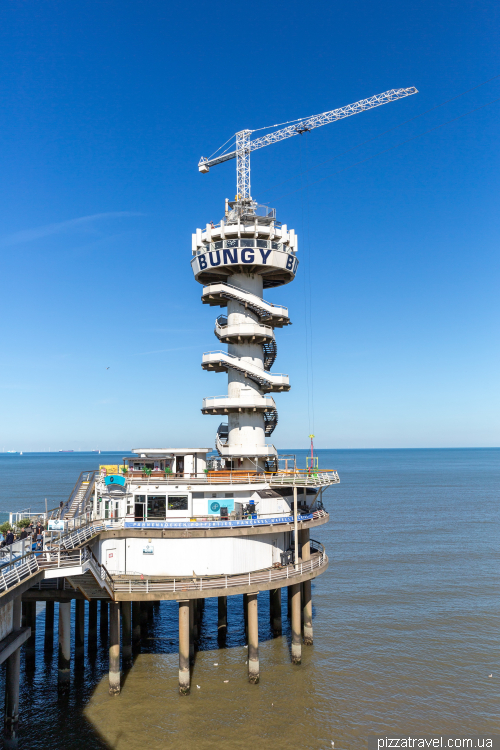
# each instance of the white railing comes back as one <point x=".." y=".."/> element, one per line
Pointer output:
<point x="178" y="585"/>
<point x="277" y="309"/>
<point x="245" y="365"/>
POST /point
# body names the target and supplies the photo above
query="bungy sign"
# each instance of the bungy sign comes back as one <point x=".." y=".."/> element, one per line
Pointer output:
<point x="241" y="256"/>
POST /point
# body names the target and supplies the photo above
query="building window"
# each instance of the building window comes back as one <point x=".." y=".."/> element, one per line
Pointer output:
<point x="156" y="507"/>
<point x="179" y="502"/>
<point x="198" y="495"/>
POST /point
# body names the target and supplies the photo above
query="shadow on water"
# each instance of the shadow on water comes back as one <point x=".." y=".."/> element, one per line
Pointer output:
<point x="60" y="720"/>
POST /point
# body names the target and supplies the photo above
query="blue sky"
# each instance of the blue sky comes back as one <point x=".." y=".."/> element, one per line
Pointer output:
<point x="106" y="109"/>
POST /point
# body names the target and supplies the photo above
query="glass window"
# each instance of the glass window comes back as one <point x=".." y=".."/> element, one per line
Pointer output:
<point x="231" y="243"/>
<point x="198" y="494"/>
<point x="218" y="245"/>
<point x="179" y="502"/>
<point x="262" y="243"/>
<point x="140" y="498"/>
<point x="276" y="245"/>
<point x="156" y="507"/>
<point x="247" y="243"/>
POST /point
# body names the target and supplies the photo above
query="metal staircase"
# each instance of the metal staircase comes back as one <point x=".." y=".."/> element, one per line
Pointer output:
<point x="270" y="421"/>
<point x="220" y="361"/>
<point x="270" y="351"/>
<point x="218" y="294"/>
<point x="80" y="495"/>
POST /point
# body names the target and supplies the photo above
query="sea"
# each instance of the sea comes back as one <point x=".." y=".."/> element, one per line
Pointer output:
<point x="406" y="623"/>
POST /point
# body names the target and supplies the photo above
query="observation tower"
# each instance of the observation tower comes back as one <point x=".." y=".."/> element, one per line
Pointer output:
<point x="189" y="524"/>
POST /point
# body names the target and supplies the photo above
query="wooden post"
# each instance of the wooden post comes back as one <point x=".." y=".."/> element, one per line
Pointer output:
<point x="296" y="629"/>
<point x="184" y="672"/>
<point x="253" y="639"/>
<point x="126" y="633"/>
<point x="64" y="637"/>
<point x="79" y="628"/>
<point x="114" y="648"/>
<point x="306" y="588"/>
<point x="275" y="610"/>
<point x="11" y="718"/>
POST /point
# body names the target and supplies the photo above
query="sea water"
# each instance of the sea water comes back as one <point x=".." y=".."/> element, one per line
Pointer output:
<point x="406" y="623"/>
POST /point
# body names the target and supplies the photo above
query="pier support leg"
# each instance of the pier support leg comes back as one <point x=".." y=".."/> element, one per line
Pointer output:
<point x="11" y="719"/>
<point x="289" y="602"/>
<point x="79" y="628"/>
<point x="275" y="610"/>
<point x="144" y="614"/>
<point x="192" y="617"/>
<point x="92" y="635"/>
<point x="296" y="629"/>
<point x="104" y="619"/>
<point x="184" y="673"/>
<point x="222" y="616"/>
<point x="64" y="637"/>
<point x="245" y="612"/>
<point x="136" y="624"/>
<point x="30" y="617"/>
<point x="114" y="648"/>
<point x="49" y="626"/>
<point x="196" y="621"/>
<point x="126" y="633"/>
<point x="306" y="589"/>
<point x="253" y="639"/>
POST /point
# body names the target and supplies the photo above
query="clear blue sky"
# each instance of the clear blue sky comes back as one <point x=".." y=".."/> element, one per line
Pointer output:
<point x="106" y="109"/>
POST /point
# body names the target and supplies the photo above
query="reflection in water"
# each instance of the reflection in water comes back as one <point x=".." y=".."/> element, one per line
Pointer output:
<point x="404" y="626"/>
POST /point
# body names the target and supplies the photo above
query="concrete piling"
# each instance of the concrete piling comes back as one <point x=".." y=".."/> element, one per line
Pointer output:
<point x="253" y="639"/>
<point x="79" y="628"/>
<point x="222" y="616"/>
<point x="275" y="610"/>
<point x="12" y="674"/>
<point x="30" y="619"/>
<point x="136" y="624"/>
<point x="306" y="591"/>
<point x="92" y="627"/>
<point x="184" y="671"/>
<point x="144" y="617"/>
<point x="192" y="617"/>
<point x="296" y="628"/>
<point x="49" y="625"/>
<point x="64" y="638"/>
<point x="126" y="632"/>
<point x="104" y="619"/>
<point x="114" y="648"/>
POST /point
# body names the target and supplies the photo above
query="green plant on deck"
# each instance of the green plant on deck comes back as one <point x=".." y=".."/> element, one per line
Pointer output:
<point x="4" y="528"/>
<point x="23" y="523"/>
<point x="147" y="472"/>
<point x="124" y="469"/>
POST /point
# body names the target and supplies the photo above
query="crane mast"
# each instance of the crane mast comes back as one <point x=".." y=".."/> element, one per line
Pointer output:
<point x="244" y="146"/>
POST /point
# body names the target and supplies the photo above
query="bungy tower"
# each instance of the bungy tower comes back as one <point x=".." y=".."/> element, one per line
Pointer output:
<point x="177" y="524"/>
<point x="236" y="261"/>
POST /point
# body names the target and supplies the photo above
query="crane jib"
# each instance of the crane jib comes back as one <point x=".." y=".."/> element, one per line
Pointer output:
<point x="244" y="146"/>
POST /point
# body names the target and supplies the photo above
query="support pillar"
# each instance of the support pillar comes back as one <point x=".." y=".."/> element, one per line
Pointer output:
<point x="126" y="633"/>
<point x="245" y="612"/>
<point x="104" y="619"/>
<point x="222" y="616"/>
<point x="30" y="617"/>
<point x="11" y="719"/>
<point x="79" y="628"/>
<point x="92" y="635"/>
<point x="114" y="648"/>
<point x="275" y="610"/>
<point x="144" y="614"/>
<point x="253" y="639"/>
<point x="136" y="624"/>
<point x="296" y="629"/>
<point x="64" y="637"/>
<point x="196" y="621"/>
<point x="289" y="602"/>
<point x="184" y="673"/>
<point x="306" y="588"/>
<point x="192" y="617"/>
<point x="49" y="625"/>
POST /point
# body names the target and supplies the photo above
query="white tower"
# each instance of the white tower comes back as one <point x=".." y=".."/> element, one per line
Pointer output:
<point x="248" y="252"/>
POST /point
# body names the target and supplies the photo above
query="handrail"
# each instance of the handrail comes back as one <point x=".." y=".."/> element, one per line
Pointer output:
<point x="250" y="294"/>
<point x="243" y="363"/>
